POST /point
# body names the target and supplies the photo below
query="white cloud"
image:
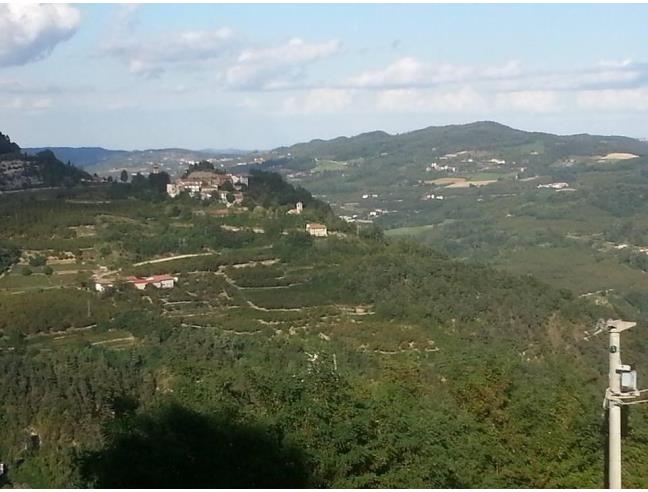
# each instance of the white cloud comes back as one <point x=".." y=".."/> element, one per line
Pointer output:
<point x="319" y="101"/>
<point x="29" y="32"/>
<point x="406" y="71"/>
<point x="153" y="57"/>
<point x="28" y="104"/>
<point x="276" y="67"/>
<point x="529" y="101"/>
<point x="249" y="103"/>
<point x="410" y="72"/>
<point x="616" y="63"/>
<point x="464" y="99"/>
<point x="625" y="100"/>
<point x="296" y="50"/>
<point x="579" y="79"/>
<point x="125" y="15"/>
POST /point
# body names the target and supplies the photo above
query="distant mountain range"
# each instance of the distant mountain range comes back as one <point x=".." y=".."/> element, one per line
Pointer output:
<point x="483" y="135"/>
<point x="377" y="150"/>
<point x="106" y="161"/>
<point x="86" y="157"/>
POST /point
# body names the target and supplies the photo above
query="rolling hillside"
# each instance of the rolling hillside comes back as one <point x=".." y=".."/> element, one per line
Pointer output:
<point x="432" y="142"/>
<point x="568" y="209"/>
<point x="280" y="359"/>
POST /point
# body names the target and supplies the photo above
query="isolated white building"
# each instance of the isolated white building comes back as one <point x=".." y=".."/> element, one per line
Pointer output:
<point x="317" y="230"/>
<point x="299" y="208"/>
<point x="555" y="186"/>
<point x="159" y="281"/>
<point x="103" y="285"/>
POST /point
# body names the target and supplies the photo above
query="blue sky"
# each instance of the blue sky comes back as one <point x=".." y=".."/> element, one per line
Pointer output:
<point x="259" y="76"/>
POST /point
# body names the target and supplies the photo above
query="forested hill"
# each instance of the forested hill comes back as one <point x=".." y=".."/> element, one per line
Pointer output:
<point x="279" y="359"/>
<point x="483" y="135"/>
<point x="19" y="170"/>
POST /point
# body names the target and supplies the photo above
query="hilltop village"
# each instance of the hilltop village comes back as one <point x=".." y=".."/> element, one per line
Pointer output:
<point x="209" y="184"/>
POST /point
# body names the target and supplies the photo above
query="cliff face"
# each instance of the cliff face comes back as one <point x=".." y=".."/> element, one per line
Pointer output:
<point x="18" y="170"/>
<point x="17" y="174"/>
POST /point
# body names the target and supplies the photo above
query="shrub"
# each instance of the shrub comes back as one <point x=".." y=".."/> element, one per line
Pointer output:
<point x="37" y="261"/>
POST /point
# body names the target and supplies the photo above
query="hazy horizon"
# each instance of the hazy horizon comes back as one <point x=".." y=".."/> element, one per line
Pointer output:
<point x="287" y="144"/>
<point x="262" y="76"/>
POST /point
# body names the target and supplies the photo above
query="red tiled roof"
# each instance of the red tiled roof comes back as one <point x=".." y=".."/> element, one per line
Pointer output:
<point x="149" y="280"/>
<point x="160" y="278"/>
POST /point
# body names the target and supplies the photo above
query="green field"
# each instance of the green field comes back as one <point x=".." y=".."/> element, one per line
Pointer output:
<point x="327" y="166"/>
<point x="574" y="268"/>
<point x="17" y="281"/>
<point x="409" y="231"/>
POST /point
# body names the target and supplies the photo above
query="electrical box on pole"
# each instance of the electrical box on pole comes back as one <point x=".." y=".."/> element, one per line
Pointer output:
<point x="622" y="388"/>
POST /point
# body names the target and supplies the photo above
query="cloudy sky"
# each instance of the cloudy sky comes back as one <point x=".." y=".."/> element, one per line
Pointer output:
<point x="259" y="76"/>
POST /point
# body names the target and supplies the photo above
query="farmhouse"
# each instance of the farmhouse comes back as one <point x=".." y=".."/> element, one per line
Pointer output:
<point x="158" y="281"/>
<point x="317" y="230"/>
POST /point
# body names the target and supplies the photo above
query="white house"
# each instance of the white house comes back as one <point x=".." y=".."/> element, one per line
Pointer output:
<point x="103" y="285"/>
<point x="317" y="230"/>
<point x="158" y="281"/>
<point x="555" y="186"/>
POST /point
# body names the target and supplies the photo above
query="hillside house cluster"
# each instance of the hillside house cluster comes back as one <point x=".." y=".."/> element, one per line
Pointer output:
<point x="434" y="166"/>
<point x="432" y="196"/>
<point x="208" y="184"/>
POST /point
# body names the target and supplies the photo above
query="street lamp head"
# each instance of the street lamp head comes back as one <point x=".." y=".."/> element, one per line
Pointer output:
<point x="618" y="325"/>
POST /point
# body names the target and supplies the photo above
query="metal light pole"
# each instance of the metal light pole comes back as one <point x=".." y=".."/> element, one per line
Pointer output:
<point x="613" y="396"/>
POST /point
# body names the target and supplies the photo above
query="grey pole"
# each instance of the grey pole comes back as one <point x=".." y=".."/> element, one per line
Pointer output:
<point x="614" y="413"/>
<point x="614" y="402"/>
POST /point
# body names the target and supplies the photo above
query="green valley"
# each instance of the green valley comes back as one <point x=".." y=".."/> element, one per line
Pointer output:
<point x="275" y="357"/>
<point x="569" y="210"/>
